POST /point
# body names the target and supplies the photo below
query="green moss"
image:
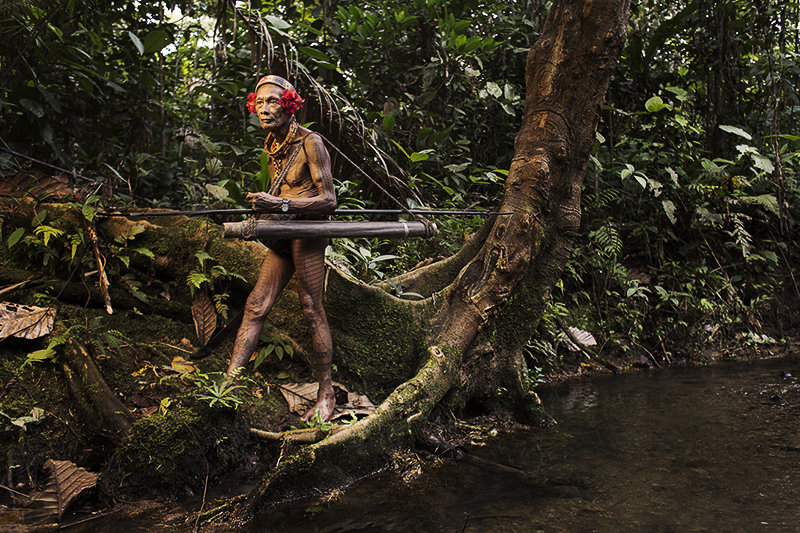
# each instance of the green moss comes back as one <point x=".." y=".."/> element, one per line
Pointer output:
<point x="378" y="340"/>
<point x="171" y="450"/>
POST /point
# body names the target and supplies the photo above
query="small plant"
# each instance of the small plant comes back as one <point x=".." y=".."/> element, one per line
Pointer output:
<point x="400" y="293"/>
<point x="93" y="333"/>
<point x="317" y="422"/>
<point x="276" y="345"/>
<point x="37" y="413"/>
<point x="221" y="391"/>
<point x="360" y="259"/>
<point x="207" y="277"/>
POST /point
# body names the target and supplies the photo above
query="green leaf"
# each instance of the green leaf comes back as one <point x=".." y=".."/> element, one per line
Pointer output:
<point x="220" y="193"/>
<point x="262" y="355"/>
<point x="388" y="122"/>
<point x="417" y="156"/>
<point x="144" y="251"/>
<point x="88" y="212"/>
<point x="656" y="104"/>
<point x="494" y="89"/>
<point x="265" y="177"/>
<point x="136" y="42"/>
<point x="15" y="237"/>
<point x="197" y="279"/>
<point x="736" y="131"/>
<point x="48" y="231"/>
<point x="213" y="166"/>
<point x="277" y="23"/>
<point x="312" y="52"/>
<point x="202" y="256"/>
<point x="155" y="41"/>
<point x="762" y="163"/>
<point x="34" y="107"/>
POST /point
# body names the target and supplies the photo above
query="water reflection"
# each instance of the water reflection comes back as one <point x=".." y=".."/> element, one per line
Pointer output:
<point x="672" y="450"/>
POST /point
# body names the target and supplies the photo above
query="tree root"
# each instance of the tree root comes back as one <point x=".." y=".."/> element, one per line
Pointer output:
<point x="92" y="393"/>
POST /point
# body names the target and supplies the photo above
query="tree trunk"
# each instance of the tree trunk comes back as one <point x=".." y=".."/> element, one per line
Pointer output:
<point x="503" y="276"/>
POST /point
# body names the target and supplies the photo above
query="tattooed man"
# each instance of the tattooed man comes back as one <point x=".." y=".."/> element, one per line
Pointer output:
<point x="302" y="187"/>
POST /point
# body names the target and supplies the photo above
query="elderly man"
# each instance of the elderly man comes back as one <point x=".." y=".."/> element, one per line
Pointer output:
<point x="302" y="185"/>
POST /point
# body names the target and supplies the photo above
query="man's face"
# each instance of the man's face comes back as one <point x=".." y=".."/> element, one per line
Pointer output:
<point x="270" y="114"/>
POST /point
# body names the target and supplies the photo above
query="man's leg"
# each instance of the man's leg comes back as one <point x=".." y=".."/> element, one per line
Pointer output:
<point x="276" y="270"/>
<point x="309" y="260"/>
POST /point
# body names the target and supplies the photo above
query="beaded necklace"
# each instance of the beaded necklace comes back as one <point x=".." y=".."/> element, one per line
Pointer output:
<point x="277" y="153"/>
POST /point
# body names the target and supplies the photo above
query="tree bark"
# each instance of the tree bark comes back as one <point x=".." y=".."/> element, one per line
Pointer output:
<point x="503" y="276"/>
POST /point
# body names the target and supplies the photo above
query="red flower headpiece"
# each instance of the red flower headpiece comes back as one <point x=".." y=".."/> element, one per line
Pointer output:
<point x="290" y="101"/>
<point x="251" y="102"/>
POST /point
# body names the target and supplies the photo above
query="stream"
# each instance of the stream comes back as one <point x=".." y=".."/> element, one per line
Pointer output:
<point x="715" y="448"/>
<point x="674" y="450"/>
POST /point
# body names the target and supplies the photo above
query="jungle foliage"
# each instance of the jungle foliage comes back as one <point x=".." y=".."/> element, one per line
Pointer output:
<point x="690" y="199"/>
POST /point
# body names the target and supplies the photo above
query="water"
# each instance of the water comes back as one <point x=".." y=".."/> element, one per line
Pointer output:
<point x="676" y="450"/>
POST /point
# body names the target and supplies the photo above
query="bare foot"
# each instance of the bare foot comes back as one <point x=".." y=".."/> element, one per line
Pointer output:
<point x="326" y="402"/>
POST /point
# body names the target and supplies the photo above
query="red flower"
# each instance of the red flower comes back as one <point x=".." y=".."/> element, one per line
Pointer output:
<point x="251" y="102"/>
<point x="290" y="101"/>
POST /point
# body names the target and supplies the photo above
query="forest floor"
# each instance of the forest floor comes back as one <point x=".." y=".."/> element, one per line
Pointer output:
<point x="201" y="459"/>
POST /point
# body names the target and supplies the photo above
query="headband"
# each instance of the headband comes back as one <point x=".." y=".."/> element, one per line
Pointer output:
<point x="274" y="80"/>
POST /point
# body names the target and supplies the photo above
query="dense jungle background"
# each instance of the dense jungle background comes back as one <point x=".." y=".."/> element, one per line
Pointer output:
<point x="685" y="253"/>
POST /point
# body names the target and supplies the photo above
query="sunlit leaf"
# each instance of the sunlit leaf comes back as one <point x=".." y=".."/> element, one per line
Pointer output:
<point x="136" y="42"/>
<point x="669" y="209"/>
<point x="220" y="193"/>
<point x="277" y="23"/>
<point x="736" y="131"/>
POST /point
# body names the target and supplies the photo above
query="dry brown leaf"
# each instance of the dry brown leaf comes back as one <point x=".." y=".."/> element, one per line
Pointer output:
<point x="301" y="396"/>
<point x="25" y="321"/>
<point x="182" y="365"/>
<point x="65" y="483"/>
<point x="35" y="183"/>
<point x="204" y="316"/>
<point x="583" y="337"/>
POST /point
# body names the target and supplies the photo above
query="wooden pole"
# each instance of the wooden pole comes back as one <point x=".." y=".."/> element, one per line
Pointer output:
<point x="318" y="229"/>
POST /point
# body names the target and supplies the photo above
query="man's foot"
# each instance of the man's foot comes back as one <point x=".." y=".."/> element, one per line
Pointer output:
<point x="326" y="403"/>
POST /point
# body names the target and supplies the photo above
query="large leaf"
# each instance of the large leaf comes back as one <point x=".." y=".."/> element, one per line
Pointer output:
<point x="65" y="483"/>
<point x="24" y="321"/>
<point x="204" y="316"/>
<point x="34" y="183"/>
<point x="736" y="131"/>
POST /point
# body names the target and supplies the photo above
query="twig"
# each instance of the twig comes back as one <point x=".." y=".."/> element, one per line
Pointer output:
<point x="15" y="492"/>
<point x="10" y="288"/>
<point x="83" y="521"/>
<point x="65" y="171"/>
<point x="101" y="268"/>
<point x="466" y="520"/>
<point x="653" y="357"/>
<point x="205" y="485"/>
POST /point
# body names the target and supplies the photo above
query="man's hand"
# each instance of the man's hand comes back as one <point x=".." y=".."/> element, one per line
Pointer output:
<point x="264" y="202"/>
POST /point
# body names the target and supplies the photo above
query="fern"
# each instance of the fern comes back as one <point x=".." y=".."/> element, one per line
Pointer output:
<point x="608" y="241"/>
